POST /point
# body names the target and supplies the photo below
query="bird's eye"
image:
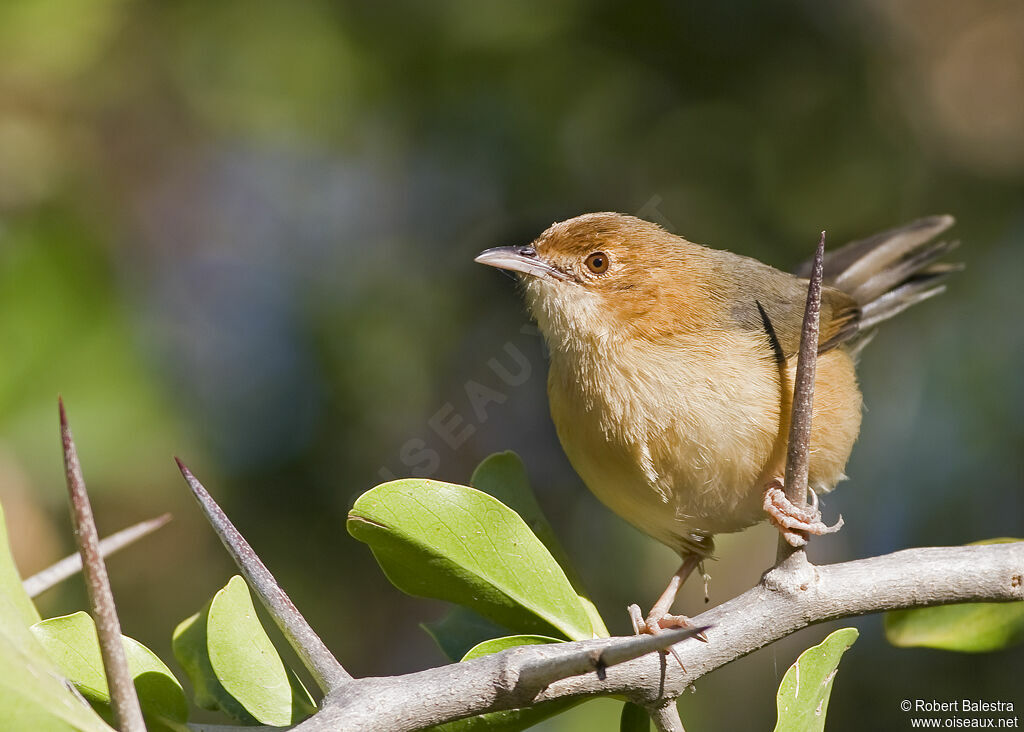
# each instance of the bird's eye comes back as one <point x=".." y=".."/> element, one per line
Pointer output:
<point x="597" y="262"/>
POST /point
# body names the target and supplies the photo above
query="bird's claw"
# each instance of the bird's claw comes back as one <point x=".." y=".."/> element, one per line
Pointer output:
<point x="652" y="626"/>
<point x="795" y="522"/>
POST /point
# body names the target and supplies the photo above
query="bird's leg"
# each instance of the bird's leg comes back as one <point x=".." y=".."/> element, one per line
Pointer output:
<point x="659" y="616"/>
<point x="795" y="522"/>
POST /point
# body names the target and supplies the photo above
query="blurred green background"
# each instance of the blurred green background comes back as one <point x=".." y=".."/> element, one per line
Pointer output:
<point x="242" y="233"/>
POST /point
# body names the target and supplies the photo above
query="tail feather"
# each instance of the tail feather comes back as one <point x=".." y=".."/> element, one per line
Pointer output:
<point x="886" y="246"/>
<point x="867" y="284"/>
<point x="891" y="271"/>
<point x="893" y="303"/>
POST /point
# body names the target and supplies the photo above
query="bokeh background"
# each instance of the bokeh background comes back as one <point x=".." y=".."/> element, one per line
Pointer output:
<point x="242" y="232"/>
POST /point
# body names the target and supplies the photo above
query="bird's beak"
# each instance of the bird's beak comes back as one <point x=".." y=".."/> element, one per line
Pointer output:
<point x="520" y="259"/>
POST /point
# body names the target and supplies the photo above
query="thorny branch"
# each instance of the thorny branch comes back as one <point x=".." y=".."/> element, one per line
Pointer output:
<point x="325" y="668"/>
<point x="790" y="596"/>
<point x="666" y="717"/>
<point x="786" y="600"/>
<point x="124" y="701"/>
<point x="798" y="452"/>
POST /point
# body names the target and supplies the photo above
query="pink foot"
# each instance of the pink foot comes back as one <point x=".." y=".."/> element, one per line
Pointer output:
<point x="653" y="626"/>
<point x="795" y="522"/>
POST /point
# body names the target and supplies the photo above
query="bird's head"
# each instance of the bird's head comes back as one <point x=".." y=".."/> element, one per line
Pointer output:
<point x="602" y="276"/>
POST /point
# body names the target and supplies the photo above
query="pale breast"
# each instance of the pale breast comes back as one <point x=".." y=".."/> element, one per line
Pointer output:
<point x="673" y="438"/>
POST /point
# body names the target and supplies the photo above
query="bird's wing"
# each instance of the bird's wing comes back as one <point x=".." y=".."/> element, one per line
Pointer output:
<point x="838" y="323"/>
<point x="771" y="301"/>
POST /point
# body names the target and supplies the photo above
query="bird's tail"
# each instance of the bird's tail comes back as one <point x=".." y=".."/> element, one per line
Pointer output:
<point x="890" y="271"/>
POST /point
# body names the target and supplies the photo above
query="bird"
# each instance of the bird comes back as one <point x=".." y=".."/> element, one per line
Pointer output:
<point x="671" y="369"/>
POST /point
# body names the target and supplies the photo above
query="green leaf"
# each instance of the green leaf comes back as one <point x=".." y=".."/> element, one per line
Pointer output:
<point x="503" y="475"/>
<point x="234" y="667"/>
<point x="459" y="630"/>
<point x="10" y="581"/>
<point x="634" y="718"/>
<point x="33" y="695"/>
<point x="974" y="627"/>
<point x="806" y="687"/>
<point x="455" y="543"/>
<point x="497" y="645"/>
<point x="596" y="621"/>
<point x="73" y="645"/>
<point x="509" y="720"/>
